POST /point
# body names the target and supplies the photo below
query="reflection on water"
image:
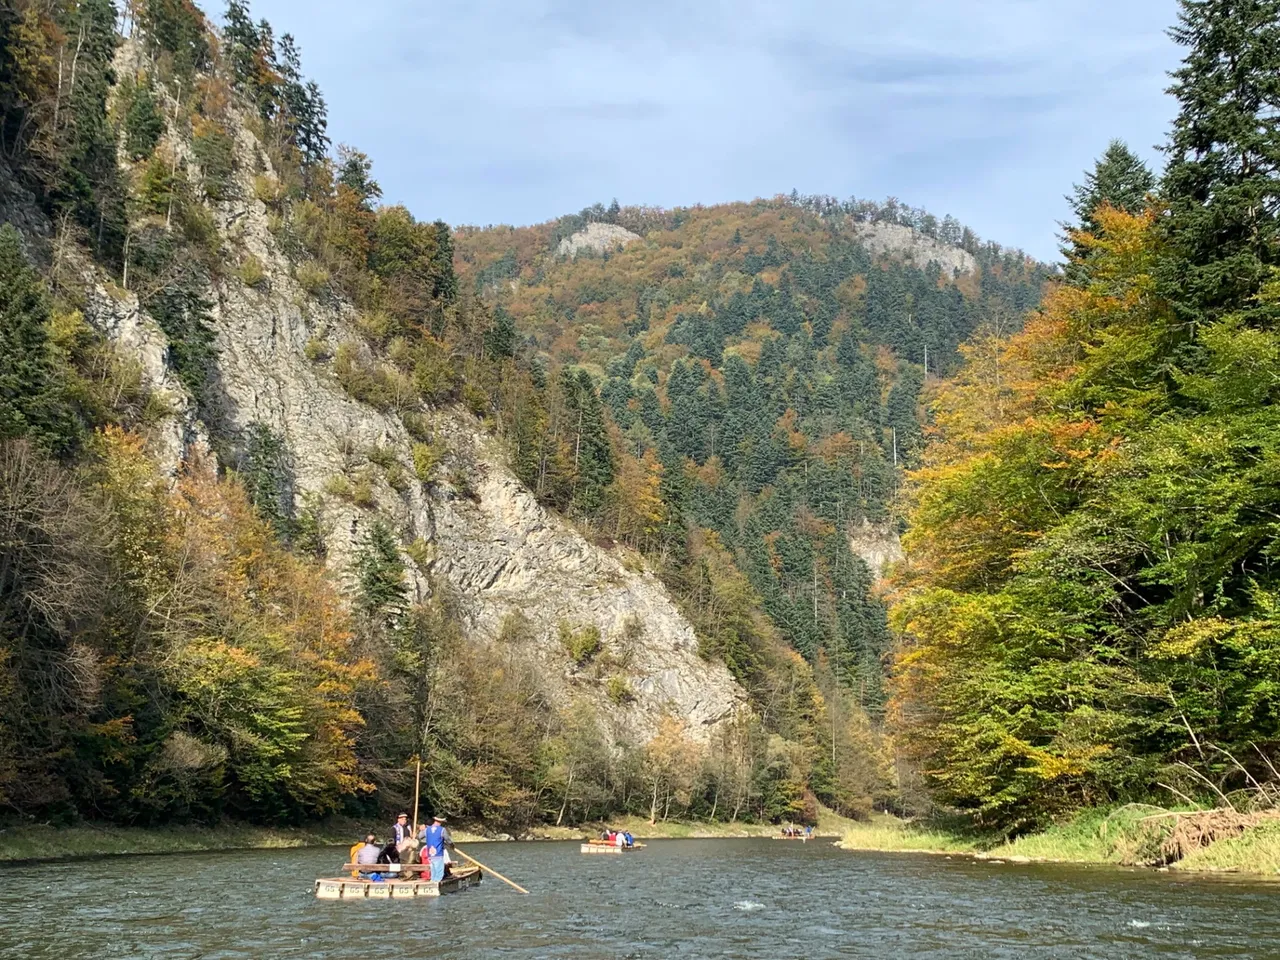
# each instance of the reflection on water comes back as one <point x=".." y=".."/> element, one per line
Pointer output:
<point x="677" y="898"/>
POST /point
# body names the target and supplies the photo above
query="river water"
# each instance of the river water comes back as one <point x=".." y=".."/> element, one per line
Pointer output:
<point x="676" y="898"/>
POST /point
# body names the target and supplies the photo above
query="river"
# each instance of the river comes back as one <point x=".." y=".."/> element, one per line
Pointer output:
<point x="676" y="898"/>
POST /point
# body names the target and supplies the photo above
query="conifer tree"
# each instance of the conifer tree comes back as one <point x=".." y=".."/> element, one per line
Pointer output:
<point x="381" y="594"/>
<point x="1119" y="179"/>
<point x="446" y="289"/>
<point x="30" y="399"/>
<point x="1222" y="182"/>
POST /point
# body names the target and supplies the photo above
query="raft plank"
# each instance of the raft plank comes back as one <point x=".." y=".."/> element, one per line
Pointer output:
<point x="341" y="888"/>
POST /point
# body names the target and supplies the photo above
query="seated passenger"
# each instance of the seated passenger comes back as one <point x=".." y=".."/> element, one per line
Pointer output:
<point x="368" y="852"/>
<point x="389" y="853"/>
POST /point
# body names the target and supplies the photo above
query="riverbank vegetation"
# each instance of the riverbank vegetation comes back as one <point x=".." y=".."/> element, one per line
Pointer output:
<point x="1088" y="611"/>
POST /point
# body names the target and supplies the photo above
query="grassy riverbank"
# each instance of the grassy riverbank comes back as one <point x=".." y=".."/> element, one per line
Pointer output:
<point x="1117" y="836"/>
<point x="60" y="843"/>
<point x="56" y="843"/>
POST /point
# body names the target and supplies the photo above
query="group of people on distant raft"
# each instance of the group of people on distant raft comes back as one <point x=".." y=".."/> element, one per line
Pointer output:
<point x="620" y="838"/>
<point x="792" y="831"/>
<point x="430" y="847"/>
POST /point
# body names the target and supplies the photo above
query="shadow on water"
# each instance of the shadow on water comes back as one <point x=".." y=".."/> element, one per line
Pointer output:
<point x="685" y="898"/>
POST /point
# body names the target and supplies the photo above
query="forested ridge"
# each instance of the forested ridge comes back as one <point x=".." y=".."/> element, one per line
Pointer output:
<point x="759" y="371"/>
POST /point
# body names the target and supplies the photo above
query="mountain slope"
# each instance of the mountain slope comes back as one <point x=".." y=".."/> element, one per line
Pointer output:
<point x="761" y="363"/>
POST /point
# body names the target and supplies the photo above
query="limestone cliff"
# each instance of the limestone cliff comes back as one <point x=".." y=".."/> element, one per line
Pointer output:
<point x="914" y="247"/>
<point x="598" y="237"/>
<point x="878" y="545"/>
<point x="495" y="547"/>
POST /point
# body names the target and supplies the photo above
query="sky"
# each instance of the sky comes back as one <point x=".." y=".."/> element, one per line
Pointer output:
<point x="498" y="111"/>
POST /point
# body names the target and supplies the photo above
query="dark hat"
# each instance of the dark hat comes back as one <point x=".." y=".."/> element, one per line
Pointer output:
<point x="402" y="816"/>
<point x="438" y="818"/>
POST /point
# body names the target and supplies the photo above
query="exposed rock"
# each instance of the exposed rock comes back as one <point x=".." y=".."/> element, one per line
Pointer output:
<point x="878" y="545"/>
<point x="916" y="247"/>
<point x="498" y="550"/>
<point x="599" y="237"/>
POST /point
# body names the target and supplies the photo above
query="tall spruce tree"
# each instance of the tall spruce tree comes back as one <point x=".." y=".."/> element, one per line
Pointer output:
<point x="1119" y="179"/>
<point x="381" y="593"/>
<point x="31" y="399"/>
<point x="1222" y="182"/>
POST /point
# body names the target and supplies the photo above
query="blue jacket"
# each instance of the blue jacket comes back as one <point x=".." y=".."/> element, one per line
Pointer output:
<point x="436" y="838"/>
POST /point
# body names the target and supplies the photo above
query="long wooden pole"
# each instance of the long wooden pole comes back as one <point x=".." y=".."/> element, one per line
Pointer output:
<point x="417" y="783"/>
<point x="510" y="883"/>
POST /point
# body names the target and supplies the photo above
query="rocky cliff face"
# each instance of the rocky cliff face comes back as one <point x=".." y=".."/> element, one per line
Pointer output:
<point x="878" y="545"/>
<point x="915" y="247"/>
<point x="599" y="237"/>
<point x="496" y="548"/>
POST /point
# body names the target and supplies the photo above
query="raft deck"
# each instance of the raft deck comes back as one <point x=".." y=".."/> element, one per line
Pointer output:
<point x="356" y="888"/>
<point x="604" y="846"/>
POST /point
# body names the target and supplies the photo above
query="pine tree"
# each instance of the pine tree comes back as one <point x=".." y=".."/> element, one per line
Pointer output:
<point x="355" y="173"/>
<point x="381" y="594"/>
<point x="593" y="457"/>
<point x="241" y="40"/>
<point x="446" y="290"/>
<point x="143" y="123"/>
<point x="1119" y="179"/>
<point x="1222" y="182"/>
<point x="500" y="339"/>
<point x="31" y="400"/>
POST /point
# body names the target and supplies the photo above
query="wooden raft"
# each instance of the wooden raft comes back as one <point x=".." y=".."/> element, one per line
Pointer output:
<point x="351" y="888"/>
<point x="606" y="846"/>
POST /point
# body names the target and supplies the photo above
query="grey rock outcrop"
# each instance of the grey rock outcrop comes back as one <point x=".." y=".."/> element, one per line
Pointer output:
<point x="598" y="237"/>
<point x="915" y="247"/>
<point x="497" y="549"/>
<point x="878" y="545"/>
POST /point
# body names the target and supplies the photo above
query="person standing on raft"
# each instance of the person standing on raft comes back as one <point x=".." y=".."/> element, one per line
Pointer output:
<point x="436" y="840"/>
<point x="402" y="837"/>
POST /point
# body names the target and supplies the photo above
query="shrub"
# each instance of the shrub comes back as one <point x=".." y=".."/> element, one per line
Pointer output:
<point x="384" y="457"/>
<point x="215" y="152"/>
<point x="461" y="482"/>
<point x="421" y="552"/>
<point x="362" y="491"/>
<point x="312" y="277"/>
<point x="581" y="644"/>
<point x="197" y="225"/>
<point x="376" y="327"/>
<point x="426" y="457"/>
<point x="619" y="690"/>
<point x="252" y="272"/>
<point x="476" y="398"/>
<point x="317" y="350"/>
<point x="268" y="189"/>
<point x="338" y="486"/>
<point x="417" y="424"/>
<point x="371" y="383"/>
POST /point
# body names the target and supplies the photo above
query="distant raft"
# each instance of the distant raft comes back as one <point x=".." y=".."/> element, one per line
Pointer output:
<point x="403" y="883"/>
<point x="608" y="846"/>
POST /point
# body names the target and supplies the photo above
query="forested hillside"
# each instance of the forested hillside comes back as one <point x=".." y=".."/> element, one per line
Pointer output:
<point x="758" y="368"/>
<point x="244" y="405"/>
<point x="1089" y="610"/>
